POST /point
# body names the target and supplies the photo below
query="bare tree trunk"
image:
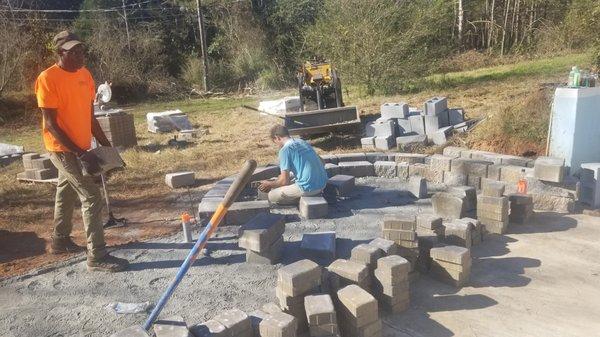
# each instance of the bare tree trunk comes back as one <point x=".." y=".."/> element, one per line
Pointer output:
<point x="492" y="26"/>
<point x="202" y="45"/>
<point x="126" y="26"/>
<point x="504" y="27"/>
<point x="461" y="18"/>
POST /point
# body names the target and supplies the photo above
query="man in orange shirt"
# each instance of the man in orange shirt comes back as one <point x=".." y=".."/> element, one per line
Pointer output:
<point x="65" y="94"/>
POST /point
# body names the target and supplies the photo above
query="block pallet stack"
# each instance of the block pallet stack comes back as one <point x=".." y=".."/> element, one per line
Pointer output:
<point x="451" y="264"/>
<point x="358" y="312"/>
<point x="119" y="129"/>
<point x="391" y="283"/>
<point x="401" y="229"/>
<point x="262" y="237"/>
<point x="37" y="168"/>
<point x="294" y="282"/>
<point x="321" y="316"/>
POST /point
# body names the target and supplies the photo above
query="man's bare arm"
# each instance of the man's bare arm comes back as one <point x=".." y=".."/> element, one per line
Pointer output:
<point x="282" y="180"/>
<point x="52" y="127"/>
<point x="98" y="132"/>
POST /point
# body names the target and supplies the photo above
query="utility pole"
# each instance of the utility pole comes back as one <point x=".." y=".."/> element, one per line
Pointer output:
<point x="126" y="26"/>
<point x="202" y="44"/>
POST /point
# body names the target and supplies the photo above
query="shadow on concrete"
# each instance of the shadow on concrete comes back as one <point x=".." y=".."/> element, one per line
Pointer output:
<point x="201" y="261"/>
<point x="20" y="245"/>
<point x="461" y="302"/>
<point x="413" y="323"/>
<point x="492" y="245"/>
<point x="502" y="272"/>
<point x="212" y="245"/>
<point x="544" y="222"/>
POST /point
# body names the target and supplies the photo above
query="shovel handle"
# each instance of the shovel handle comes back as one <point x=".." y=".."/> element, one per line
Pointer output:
<point x="239" y="183"/>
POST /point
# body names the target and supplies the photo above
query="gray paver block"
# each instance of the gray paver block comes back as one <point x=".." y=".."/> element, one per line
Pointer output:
<point x="241" y="212"/>
<point x="440" y="137"/>
<point x="41" y="163"/>
<point x="357" y="305"/>
<point x="392" y="269"/>
<point x="330" y="158"/>
<point x="453" y="151"/>
<point x="236" y="321"/>
<point x="340" y="185"/>
<point x="549" y="169"/>
<point x="454" y="179"/>
<point x="407" y="141"/>
<point x="388" y="247"/>
<point x="373" y="157"/>
<point x="320" y="245"/>
<point x="210" y="328"/>
<point x="132" y="331"/>
<point x="278" y="325"/>
<point x="472" y="167"/>
<point x="384" y="128"/>
<point x="432" y="124"/>
<point x="262" y="231"/>
<point x="271" y="255"/>
<point x="403" y="126"/>
<point x="346" y="157"/>
<point x="456" y="116"/>
<point x="429" y="221"/>
<point x="399" y="221"/>
<point x="440" y="162"/>
<point x="357" y="168"/>
<point x="347" y="272"/>
<point x="313" y="207"/>
<point x="458" y="234"/>
<point x="492" y="188"/>
<point x="299" y="277"/>
<point x="417" y="186"/>
<point x="402" y="170"/>
<point x="367" y="143"/>
<point x="385" y="142"/>
<point x="417" y="124"/>
<point x="448" y="206"/>
<point x="171" y="327"/>
<point x="319" y="310"/>
<point x="399" y="235"/>
<point x="207" y="207"/>
<point x="332" y="169"/>
<point x="411" y="158"/>
<point x="386" y="169"/>
<point x="467" y="193"/>
<point x="493" y="208"/>
<point x="453" y="254"/>
<point x="265" y="172"/>
<point x="255" y="316"/>
<point x="366" y="254"/>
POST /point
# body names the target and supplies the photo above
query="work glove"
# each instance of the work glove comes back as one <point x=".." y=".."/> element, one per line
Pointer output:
<point x="91" y="163"/>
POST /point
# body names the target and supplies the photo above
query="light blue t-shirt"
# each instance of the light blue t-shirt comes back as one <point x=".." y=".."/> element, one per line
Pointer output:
<point x="299" y="157"/>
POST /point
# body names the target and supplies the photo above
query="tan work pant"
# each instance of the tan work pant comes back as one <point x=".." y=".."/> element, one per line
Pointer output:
<point x="72" y="184"/>
<point x="289" y="195"/>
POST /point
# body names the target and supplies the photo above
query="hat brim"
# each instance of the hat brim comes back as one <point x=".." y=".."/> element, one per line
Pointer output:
<point x="70" y="44"/>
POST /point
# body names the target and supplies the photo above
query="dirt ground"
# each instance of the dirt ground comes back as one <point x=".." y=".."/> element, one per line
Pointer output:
<point x="539" y="280"/>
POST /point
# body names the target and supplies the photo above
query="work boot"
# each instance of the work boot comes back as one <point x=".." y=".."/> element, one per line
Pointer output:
<point x="64" y="245"/>
<point x="107" y="263"/>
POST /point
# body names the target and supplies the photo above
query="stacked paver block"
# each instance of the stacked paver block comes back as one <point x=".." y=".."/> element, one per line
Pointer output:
<point x="346" y="157"/>
<point x="402" y="230"/>
<point x="493" y="213"/>
<point x="373" y="157"/>
<point x="386" y="169"/>
<point x="417" y="186"/>
<point x="357" y="168"/>
<point x="180" y="179"/>
<point x="119" y="129"/>
<point x="319" y="246"/>
<point x="340" y="185"/>
<point x="549" y="169"/>
<point x="429" y="225"/>
<point x="171" y="327"/>
<point x="236" y="323"/>
<point x="474" y="169"/>
<point x="210" y="328"/>
<point x="262" y="237"/>
<point x="417" y="124"/>
<point x="241" y="212"/>
<point x="402" y="170"/>
<point x="278" y="324"/>
<point x="418" y="170"/>
<point x="342" y="272"/>
<point x="37" y="167"/>
<point x="321" y="316"/>
<point x="409" y="141"/>
<point x="492" y="188"/>
<point x="459" y="233"/>
<point x="589" y="178"/>
<point x="477" y="232"/>
<point x="330" y="158"/>
<point x="440" y="137"/>
<point x="313" y="207"/>
<point x="294" y="282"/>
<point x="385" y="142"/>
<point x="521" y="208"/>
<point x="410" y="158"/>
<point x="358" y="313"/>
<point x="388" y="247"/>
<point x="332" y="170"/>
<point x="438" y="165"/>
<point x="451" y="264"/>
<point x="453" y="151"/>
<point x="392" y="284"/>
<point x="448" y="205"/>
<point x="366" y="254"/>
<point x="367" y="143"/>
<point x="469" y="195"/>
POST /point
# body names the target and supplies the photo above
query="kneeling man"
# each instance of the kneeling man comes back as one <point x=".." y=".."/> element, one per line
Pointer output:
<point x="298" y="157"/>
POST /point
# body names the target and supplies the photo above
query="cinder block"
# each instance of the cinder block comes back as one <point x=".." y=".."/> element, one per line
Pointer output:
<point x="366" y="254"/>
<point x="241" y="212"/>
<point x="367" y="143"/>
<point x="313" y="207"/>
<point x="549" y="169"/>
<point x="399" y="221"/>
<point x="452" y="254"/>
<point x="357" y="168"/>
<point x="456" y="116"/>
<point x="385" y="142"/>
<point x="435" y="106"/>
<point x="319" y="310"/>
<point x="340" y="185"/>
<point x="44" y="174"/>
<point x="344" y="272"/>
<point x="432" y="124"/>
<point x="403" y="126"/>
<point x="417" y="186"/>
<point x="346" y="157"/>
<point x="41" y="163"/>
<point x="358" y="307"/>
<point x="385" y="169"/>
<point x="320" y="245"/>
<point x="236" y="322"/>
<point x="270" y="256"/>
<point x="299" y="277"/>
<point x="373" y="157"/>
<point x="332" y="169"/>
<point x="417" y="124"/>
<point x="385" y="129"/>
<point x="394" y="110"/>
<point x="261" y="231"/>
<point x="474" y="181"/>
<point x="171" y="327"/>
<point x="388" y="247"/>
<point x="210" y="328"/>
<point x="278" y="324"/>
<point x="448" y="206"/>
<point x="27" y="158"/>
<point x="407" y="142"/>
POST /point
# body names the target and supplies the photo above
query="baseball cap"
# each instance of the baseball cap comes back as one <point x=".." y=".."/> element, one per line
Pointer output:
<point x="66" y="40"/>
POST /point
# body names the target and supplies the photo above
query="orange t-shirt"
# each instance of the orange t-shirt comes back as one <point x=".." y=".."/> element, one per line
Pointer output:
<point x="72" y="95"/>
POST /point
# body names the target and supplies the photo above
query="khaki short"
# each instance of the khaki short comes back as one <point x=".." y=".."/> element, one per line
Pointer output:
<point x="289" y="195"/>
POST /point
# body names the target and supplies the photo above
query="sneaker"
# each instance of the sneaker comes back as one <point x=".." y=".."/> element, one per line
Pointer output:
<point x="64" y="246"/>
<point x="107" y="263"/>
